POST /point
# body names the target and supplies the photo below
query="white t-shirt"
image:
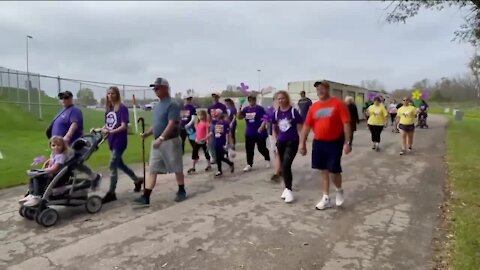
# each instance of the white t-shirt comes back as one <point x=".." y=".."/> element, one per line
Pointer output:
<point x="392" y="108"/>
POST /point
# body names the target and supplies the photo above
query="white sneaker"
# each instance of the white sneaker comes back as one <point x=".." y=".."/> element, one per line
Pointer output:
<point x="26" y="198"/>
<point x="324" y="203"/>
<point x="339" y="199"/>
<point x="267" y="164"/>
<point x="289" y="196"/>
<point x="284" y="194"/>
<point x="247" y="168"/>
<point x="33" y="201"/>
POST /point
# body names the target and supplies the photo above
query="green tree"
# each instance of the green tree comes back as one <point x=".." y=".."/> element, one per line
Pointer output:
<point x="86" y="97"/>
<point x="401" y="10"/>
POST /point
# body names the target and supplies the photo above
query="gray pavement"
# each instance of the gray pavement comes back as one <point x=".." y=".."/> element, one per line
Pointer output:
<point x="240" y="222"/>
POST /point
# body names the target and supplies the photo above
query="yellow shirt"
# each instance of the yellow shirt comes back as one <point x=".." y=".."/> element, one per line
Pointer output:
<point x="407" y="115"/>
<point x="377" y="115"/>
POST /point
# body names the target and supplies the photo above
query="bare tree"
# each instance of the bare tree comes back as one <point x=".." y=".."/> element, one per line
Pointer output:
<point x="372" y="85"/>
<point x="401" y="10"/>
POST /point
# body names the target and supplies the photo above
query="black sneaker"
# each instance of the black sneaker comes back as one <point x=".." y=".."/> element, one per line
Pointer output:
<point x="191" y="170"/>
<point x="142" y="200"/>
<point x="109" y="197"/>
<point x="96" y="182"/>
<point x="208" y="168"/>
<point x="232" y="168"/>
<point x="138" y="185"/>
<point x="181" y="196"/>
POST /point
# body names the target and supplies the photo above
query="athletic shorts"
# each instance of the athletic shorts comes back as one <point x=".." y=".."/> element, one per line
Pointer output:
<point x="407" y="128"/>
<point x="327" y="155"/>
<point x="168" y="158"/>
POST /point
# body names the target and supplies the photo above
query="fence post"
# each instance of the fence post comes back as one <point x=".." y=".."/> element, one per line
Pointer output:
<point x="59" y="85"/>
<point x="8" y="77"/>
<point x="123" y="91"/>
<point x="18" y="91"/>
<point x="39" y="98"/>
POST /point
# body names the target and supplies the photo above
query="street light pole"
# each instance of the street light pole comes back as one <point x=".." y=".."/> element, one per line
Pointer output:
<point x="28" y="76"/>
<point x="259" y="70"/>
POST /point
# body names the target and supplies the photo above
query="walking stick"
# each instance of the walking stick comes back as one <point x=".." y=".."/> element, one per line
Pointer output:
<point x="142" y="122"/>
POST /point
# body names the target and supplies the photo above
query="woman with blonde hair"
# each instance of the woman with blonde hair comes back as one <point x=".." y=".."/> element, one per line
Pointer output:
<point x="116" y="126"/>
<point x="287" y="122"/>
<point x="406" y="116"/>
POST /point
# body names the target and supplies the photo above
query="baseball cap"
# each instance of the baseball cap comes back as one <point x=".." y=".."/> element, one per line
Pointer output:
<point x="325" y="83"/>
<point x="189" y="97"/>
<point x="215" y="94"/>
<point x="160" y="82"/>
<point x="66" y="94"/>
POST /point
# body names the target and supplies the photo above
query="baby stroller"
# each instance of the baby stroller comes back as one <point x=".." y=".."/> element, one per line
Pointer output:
<point x="422" y="120"/>
<point x="66" y="188"/>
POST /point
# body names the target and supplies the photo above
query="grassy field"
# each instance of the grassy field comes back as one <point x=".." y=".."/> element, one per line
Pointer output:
<point x="22" y="138"/>
<point x="463" y="148"/>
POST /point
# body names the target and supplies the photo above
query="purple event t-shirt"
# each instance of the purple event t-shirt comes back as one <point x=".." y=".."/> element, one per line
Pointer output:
<point x="65" y="119"/>
<point x="113" y="120"/>
<point x="186" y="114"/>
<point x="254" y="118"/>
<point x="221" y="130"/>
<point x="287" y="124"/>
<point x="232" y="111"/>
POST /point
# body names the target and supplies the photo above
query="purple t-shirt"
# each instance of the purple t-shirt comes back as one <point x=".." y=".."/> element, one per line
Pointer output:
<point x="221" y="130"/>
<point x="186" y="113"/>
<point x="113" y="120"/>
<point x="232" y="111"/>
<point x="287" y="124"/>
<point x="254" y="118"/>
<point x="65" y="119"/>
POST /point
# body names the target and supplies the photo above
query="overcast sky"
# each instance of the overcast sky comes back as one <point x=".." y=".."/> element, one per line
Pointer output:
<point x="207" y="45"/>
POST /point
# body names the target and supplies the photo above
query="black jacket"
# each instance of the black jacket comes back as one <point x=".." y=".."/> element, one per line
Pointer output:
<point x="354" y="120"/>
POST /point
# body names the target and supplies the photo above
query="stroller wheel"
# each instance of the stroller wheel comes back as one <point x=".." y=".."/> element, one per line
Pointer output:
<point x="93" y="204"/>
<point x="48" y="217"/>
<point x="29" y="213"/>
<point x="21" y="211"/>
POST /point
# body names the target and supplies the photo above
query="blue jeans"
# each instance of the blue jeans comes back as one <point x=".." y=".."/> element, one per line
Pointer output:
<point x="116" y="162"/>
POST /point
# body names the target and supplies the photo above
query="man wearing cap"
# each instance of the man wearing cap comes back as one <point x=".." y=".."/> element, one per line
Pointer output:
<point x="254" y="116"/>
<point x="304" y="104"/>
<point x="188" y="114"/>
<point x="330" y="120"/>
<point x="69" y="125"/>
<point x="166" y="151"/>
<point x="212" y="113"/>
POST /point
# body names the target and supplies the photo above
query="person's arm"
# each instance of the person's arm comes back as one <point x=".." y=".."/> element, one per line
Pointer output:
<point x="75" y="118"/>
<point x="385" y="116"/>
<point x="241" y="114"/>
<point x="189" y="124"/>
<point x="345" y="117"/>
<point x="299" y="120"/>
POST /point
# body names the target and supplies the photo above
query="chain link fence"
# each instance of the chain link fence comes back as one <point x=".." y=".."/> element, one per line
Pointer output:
<point x="38" y="94"/>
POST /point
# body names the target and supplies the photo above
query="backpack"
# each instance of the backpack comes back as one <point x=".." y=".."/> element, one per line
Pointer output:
<point x="292" y="110"/>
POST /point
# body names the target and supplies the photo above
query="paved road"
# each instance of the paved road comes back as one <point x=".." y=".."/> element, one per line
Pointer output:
<point x="240" y="222"/>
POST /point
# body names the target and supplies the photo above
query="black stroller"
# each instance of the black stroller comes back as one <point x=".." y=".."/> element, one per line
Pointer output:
<point x="66" y="189"/>
<point x="422" y="120"/>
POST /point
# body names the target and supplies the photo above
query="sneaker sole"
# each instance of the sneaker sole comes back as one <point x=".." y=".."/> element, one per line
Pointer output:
<point x="326" y="207"/>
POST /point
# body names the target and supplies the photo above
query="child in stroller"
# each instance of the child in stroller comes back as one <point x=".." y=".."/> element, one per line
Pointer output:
<point x="51" y="167"/>
<point x="58" y="184"/>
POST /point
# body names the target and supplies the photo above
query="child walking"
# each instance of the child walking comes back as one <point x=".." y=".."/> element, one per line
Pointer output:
<point x="52" y="167"/>
<point x="222" y="136"/>
<point x="201" y="138"/>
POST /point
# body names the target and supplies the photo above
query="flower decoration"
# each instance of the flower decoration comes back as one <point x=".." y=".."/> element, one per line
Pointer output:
<point x="416" y="95"/>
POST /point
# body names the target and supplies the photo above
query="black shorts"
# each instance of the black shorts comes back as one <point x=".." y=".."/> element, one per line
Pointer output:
<point x="407" y="128"/>
<point x="327" y="155"/>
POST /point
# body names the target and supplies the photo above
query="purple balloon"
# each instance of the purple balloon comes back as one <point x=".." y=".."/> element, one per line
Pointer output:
<point x="243" y="88"/>
<point x="425" y="94"/>
<point x="372" y="95"/>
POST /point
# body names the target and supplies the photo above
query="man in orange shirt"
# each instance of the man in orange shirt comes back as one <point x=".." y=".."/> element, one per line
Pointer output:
<point x="330" y="120"/>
